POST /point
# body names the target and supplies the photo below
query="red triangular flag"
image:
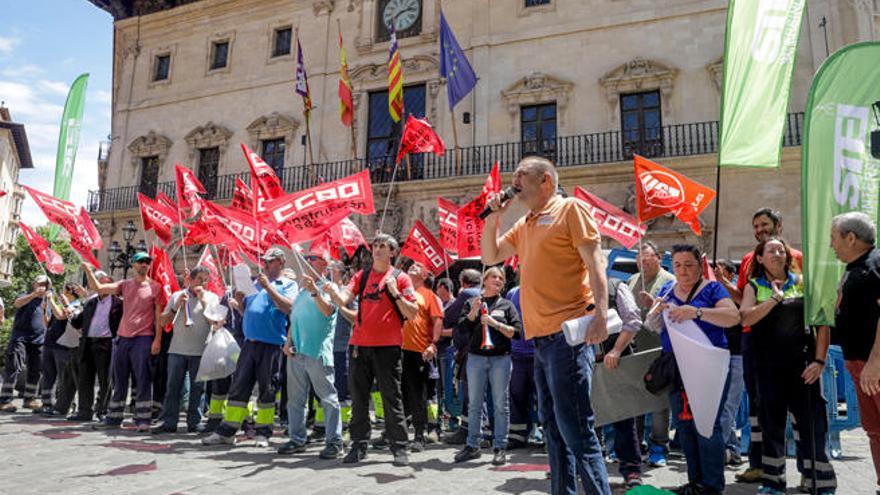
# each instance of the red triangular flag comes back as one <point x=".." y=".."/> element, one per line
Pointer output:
<point x="419" y="137"/>
<point x="262" y="175"/>
<point x="611" y="220"/>
<point x="43" y="250"/>
<point x="155" y="217"/>
<point x="215" y="282"/>
<point x="470" y="226"/>
<point x="162" y="272"/>
<point x="660" y="190"/>
<point x="422" y="246"/>
<point x="188" y="189"/>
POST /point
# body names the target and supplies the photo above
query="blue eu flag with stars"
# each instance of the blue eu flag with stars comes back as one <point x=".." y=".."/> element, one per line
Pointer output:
<point x="454" y="66"/>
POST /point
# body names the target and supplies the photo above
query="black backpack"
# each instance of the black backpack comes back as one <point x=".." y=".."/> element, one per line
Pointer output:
<point x="365" y="276"/>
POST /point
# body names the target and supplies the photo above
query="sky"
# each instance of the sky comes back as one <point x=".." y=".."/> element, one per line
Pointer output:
<point x="44" y="46"/>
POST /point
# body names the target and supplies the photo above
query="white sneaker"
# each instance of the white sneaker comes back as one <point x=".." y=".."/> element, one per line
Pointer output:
<point x="261" y="441"/>
<point x="217" y="439"/>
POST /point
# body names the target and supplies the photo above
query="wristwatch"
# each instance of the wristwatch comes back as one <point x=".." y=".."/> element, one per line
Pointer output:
<point x="699" y="313"/>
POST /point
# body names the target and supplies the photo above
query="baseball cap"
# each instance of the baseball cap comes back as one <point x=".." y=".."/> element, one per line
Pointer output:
<point x="141" y="256"/>
<point x="101" y="275"/>
<point x="274" y="254"/>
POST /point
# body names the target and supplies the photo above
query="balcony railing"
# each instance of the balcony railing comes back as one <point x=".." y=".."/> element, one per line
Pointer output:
<point x="570" y="151"/>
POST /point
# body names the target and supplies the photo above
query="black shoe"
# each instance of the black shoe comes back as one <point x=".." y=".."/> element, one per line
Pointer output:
<point x="163" y="428"/>
<point x="688" y="489"/>
<point x="467" y="454"/>
<point x="291" y="447"/>
<point x="401" y="458"/>
<point x="331" y="451"/>
<point x="457" y="438"/>
<point x="50" y="412"/>
<point x="80" y="418"/>
<point x="380" y="443"/>
<point x="418" y="444"/>
<point x="516" y="444"/>
<point x="500" y="458"/>
<point x="103" y="425"/>
<point x="199" y="428"/>
<point x="357" y="453"/>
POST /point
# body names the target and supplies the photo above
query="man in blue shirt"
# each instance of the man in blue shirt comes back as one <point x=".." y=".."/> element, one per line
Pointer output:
<point x="310" y="363"/>
<point x="25" y="345"/>
<point x="265" y="331"/>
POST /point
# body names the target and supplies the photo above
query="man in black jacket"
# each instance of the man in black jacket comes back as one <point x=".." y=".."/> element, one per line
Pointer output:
<point x="98" y="322"/>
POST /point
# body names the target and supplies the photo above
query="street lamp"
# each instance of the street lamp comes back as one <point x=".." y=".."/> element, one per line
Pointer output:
<point x="121" y="257"/>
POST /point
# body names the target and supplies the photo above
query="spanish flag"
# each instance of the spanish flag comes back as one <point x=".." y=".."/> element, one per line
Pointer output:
<point x="395" y="79"/>
<point x="346" y="103"/>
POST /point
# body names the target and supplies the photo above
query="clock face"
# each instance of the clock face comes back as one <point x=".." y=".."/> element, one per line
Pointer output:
<point x="405" y="13"/>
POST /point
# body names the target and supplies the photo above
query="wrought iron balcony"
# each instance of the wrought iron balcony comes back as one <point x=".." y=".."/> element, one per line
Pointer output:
<point x="570" y="151"/>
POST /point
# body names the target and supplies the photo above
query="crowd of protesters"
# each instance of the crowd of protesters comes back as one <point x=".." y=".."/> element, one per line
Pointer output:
<point x="335" y="349"/>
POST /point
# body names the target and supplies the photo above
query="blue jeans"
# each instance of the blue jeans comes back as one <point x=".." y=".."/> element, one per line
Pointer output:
<point x="178" y="366"/>
<point x="563" y="376"/>
<point x="731" y="405"/>
<point x="304" y="371"/>
<point x="496" y="371"/>
<point x="704" y="456"/>
<point x="452" y="402"/>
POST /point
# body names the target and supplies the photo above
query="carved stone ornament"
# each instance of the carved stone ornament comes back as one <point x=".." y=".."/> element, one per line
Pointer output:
<point x="150" y="144"/>
<point x="209" y="135"/>
<point x="323" y="7"/>
<point x="716" y="72"/>
<point x="537" y="88"/>
<point x="636" y="76"/>
<point x="273" y="126"/>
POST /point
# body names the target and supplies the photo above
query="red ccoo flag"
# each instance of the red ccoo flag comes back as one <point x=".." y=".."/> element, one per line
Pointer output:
<point x="157" y="217"/>
<point x="188" y="189"/>
<point x="470" y="226"/>
<point x="660" y="190"/>
<point x="447" y="217"/>
<point x="43" y="250"/>
<point x="419" y="137"/>
<point x="611" y="220"/>
<point x="242" y="197"/>
<point x="422" y="246"/>
<point x="263" y="177"/>
<point x="162" y="272"/>
<point x="215" y="282"/>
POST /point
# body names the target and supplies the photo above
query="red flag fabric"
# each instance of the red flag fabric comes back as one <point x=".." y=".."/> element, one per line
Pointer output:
<point x="419" y="137"/>
<point x="512" y="262"/>
<point x="612" y="221"/>
<point x="155" y="217"/>
<point x="162" y="272"/>
<point x="238" y="227"/>
<point x="83" y="234"/>
<point x="470" y="226"/>
<point x="304" y="215"/>
<point x="242" y="197"/>
<point x="167" y="202"/>
<point x="447" y="217"/>
<point x="344" y="235"/>
<point x="262" y="175"/>
<point x="422" y="246"/>
<point x="660" y="190"/>
<point x="215" y="282"/>
<point x="199" y="232"/>
<point x="708" y="272"/>
<point x="188" y="189"/>
<point x="228" y="257"/>
<point x="43" y="250"/>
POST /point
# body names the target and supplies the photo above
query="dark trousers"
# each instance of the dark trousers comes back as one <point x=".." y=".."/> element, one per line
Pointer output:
<point x="178" y="368"/>
<point x="54" y="360"/>
<point x="522" y="399"/>
<point x="384" y="365"/>
<point x="783" y="390"/>
<point x="751" y="379"/>
<point x="563" y="377"/>
<point x="219" y="393"/>
<point x="68" y="383"/>
<point x="159" y="372"/>
<point x="257" y="365"/>
<point x="21" y="355"/>
<point x="626" y="446"/>
<point x="131" y="360"/>
<point x="95" y="360"/>
<point x="415" y="390"/>
<point x="340" y="370"/>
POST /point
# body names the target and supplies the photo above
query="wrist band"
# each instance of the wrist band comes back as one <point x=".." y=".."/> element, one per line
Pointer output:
<point x="819" y="361"/>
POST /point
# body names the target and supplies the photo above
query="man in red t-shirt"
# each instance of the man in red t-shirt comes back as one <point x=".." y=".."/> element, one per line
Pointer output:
<point x="766" y="223"/>
<point x="387" y="299"/>
<point x="139" y="336"/>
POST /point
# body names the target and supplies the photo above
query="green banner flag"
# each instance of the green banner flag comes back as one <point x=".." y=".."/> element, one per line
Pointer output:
<point x="838" y="173"/>
<point x="759" y="55"/>
<point x="68" y="138"/>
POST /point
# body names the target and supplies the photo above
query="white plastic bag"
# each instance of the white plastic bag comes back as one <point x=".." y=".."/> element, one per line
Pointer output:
<point x="220" y="356"/>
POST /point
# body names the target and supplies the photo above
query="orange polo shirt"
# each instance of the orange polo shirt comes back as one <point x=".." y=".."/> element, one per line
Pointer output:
<point x="554" y="283"/>
<point x="418" y="333"/>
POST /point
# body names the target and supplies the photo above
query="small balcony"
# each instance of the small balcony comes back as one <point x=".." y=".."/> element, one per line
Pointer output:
<point x="677" y="140"/>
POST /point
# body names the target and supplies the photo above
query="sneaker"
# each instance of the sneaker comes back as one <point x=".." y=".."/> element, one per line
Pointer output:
<point x="261" y="441"/>
<point x="357" y="453"/>
<point x="750" y="475"/>
<point x="766" y="490"/>
<point x="144" y="428"/>
<point x="199" y="428"/>
<point x="433" y="436"/>
<point x="33" y="404"/>
<point x="733" y="458"/>
<point x="467" y="454"/>
<point x="457" y="438"/>
<point x="50" y="412"/>
<point x="8" y="407"/>
<point x="380" y="443"/>
<point x="317" y="435"/>
<point x="79" y="418"/>
<point x="500" y="457"/>
<point x="331" y="451"/>
<point x="689" y="489"/>
<point x="632" y="480"/>
<point x="401" y="458"/>
<point x="418" y="444"/>
<point x="163" y="428"/>
<point x="218" y="439"/>
<point x="104" y="425"/>
<point x="657" y="456"/>
<point x="291" y="447"/>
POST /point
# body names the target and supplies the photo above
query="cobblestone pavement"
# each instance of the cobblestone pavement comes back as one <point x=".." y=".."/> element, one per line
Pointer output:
<point x="39" y="455"/>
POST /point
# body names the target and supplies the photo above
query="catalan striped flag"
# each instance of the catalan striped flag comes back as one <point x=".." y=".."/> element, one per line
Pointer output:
<point x="346" y="103"/>
<point x="395" y="79"/>
<point x="302" y="79"/>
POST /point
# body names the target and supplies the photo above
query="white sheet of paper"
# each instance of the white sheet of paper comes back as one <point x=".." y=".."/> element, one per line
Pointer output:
<point x="241" y="275"/>
<point x="703" y="369"/>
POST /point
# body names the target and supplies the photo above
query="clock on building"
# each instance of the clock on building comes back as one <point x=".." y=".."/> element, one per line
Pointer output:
<point x="405" y="14"/>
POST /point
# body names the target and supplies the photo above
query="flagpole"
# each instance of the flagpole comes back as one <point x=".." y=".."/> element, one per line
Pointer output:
<point x="216" y="253"/>
<point x="717" y="211"/>
<point x="307" y="113"/>
<point x="182" y="243"/>
<point x="641" y="272"/>
<point x="351" y="127"/>
<point x="455" y="143"/>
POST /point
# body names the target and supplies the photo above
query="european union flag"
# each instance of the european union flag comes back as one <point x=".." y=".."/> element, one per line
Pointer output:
<point x="454" y="66"/>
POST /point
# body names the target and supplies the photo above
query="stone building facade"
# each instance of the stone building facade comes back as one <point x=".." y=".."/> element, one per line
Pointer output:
<point x="586" y="82"/>
<point x="15" y="154"/>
